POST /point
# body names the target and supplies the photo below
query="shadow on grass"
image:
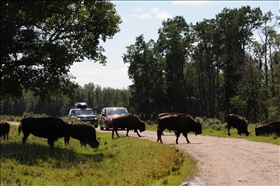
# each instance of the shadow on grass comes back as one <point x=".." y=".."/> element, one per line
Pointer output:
<point x="35" y="154"/>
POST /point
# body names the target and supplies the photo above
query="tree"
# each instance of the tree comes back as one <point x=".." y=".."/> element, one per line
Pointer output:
<point x="40" y="41"/>
<point x="235" y="28"/>
<point x="174" y="39"/>
<point x="205" y="59"/>
<point x="143" y="70"/>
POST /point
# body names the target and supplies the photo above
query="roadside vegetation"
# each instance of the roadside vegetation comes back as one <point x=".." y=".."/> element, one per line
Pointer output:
<point x="215" y="127"/>
<point x="210" y="127"/>
<point x="123" y="161"/>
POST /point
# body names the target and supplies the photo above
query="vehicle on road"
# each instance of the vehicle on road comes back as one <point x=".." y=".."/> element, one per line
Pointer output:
<point x="108" y="114"/>
<point x="84" y="113"/>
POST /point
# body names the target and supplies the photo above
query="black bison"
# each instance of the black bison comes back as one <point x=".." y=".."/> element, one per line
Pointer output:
<point x="4" y="129"/>
<point x="130" y="122"/>
<point x="268" y="129"/>
<point x="169" y="113"/>
<point x="180" y="124"/>
<point x="237" y="122"/>
<point x="84" y="132"/>
<point x="50" y="128"/>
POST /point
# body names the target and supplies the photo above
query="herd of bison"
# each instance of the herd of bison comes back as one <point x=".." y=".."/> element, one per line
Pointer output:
<point x="54" y="128"/>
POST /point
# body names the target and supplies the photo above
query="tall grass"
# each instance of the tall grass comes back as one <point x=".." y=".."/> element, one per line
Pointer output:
<point x="123" y="161"/>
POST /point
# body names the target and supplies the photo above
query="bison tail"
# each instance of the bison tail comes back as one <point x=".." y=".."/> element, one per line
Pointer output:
<point x="19" y="128"/>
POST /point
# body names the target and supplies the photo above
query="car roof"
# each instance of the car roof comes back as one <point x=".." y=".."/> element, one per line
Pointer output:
<point x="112" y="108"/>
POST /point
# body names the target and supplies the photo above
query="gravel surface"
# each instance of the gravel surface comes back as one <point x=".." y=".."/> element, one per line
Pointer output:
<point x="226" y="161"/>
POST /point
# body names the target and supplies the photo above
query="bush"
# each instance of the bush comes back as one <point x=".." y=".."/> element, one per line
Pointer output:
<point x="212" y="123"/>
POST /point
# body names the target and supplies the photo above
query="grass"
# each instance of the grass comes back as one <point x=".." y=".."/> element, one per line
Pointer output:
<point x="123" y="161"/>
<point x="219" y="130"/>
<point x="223" y="133"/>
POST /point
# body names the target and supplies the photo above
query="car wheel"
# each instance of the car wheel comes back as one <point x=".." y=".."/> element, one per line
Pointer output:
<point x="101" y="128"/>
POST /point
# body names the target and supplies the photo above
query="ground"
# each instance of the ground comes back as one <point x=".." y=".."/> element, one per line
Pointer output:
<point x="226" y="161"/>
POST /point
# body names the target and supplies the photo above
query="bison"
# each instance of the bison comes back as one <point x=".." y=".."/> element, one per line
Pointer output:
<point x="237" y="122"/>
<point x="129" y="122"/>
<point x="84" y="132"/>
<point x="179" y="123"/>
<point x="49" y="127"/>
<point x="4" y="129"/>
<point x="169" y="113"/>
<point x="268" y="129"/>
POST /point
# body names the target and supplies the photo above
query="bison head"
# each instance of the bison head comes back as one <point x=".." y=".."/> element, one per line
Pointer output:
<point x="142" y="127"/>
<point x="93" y="143"/>
<point x="198" y="129"/>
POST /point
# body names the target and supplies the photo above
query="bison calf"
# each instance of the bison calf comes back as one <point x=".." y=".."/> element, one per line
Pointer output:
<point x="84" y="132"/>
<point x="130" y="122"/>
<point x="4" y="129"/>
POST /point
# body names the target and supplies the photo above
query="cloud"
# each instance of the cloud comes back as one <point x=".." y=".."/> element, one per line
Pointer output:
<point x="154" y="12"/>
<point x="146" y="15"/>
<point x="138" y="9"/>
<point x="191" y="3"/>
<point x="160" y="13"/>
<point x="113" y="78"/>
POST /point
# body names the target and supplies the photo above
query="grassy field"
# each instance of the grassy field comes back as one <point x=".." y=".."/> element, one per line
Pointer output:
<point x="123" y="161"/>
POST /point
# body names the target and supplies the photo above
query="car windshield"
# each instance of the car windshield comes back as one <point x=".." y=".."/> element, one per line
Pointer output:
<point x="84" y="112"/>
<point x="117" y="112"/>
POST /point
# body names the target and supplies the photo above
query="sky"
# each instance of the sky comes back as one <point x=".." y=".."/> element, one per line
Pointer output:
<point x="146" y="17"/>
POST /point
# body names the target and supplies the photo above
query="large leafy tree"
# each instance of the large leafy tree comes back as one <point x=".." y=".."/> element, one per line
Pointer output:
<point x="236" y="27"/>
<point x="143" y="71"/>
<point x="173" y="44"/>
<point x="40" y="40"/>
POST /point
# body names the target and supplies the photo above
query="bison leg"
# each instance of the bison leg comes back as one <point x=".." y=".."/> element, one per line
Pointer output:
<point x="66" y="140"/>
<point x="127" y="130"/>
<point x="24" y="138"/>
<point x="177" y="136"/>
<point x="51" y="142"/>
<point x="228" y="128"/>
<point x="116" y="130"/>
<point x="159" y="132"/>
<point x="83" y="142"/>
<point x="186" y="136"/>
<point x="5" y="136"/>
<point x="137" y="132"/>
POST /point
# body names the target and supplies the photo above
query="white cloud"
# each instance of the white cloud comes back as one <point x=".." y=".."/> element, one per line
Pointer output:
<point x="114" y="78"/>
<point x="138" y="9"/>
<point x="146" y="15"/>
<point x="154" y="12"/>
<point x="191" y="3"/>
<point x="160" y="13"/>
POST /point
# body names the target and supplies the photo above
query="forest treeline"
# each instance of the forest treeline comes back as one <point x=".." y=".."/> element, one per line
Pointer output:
<point x="94" y="95"/>
<point x="228" y="64"/>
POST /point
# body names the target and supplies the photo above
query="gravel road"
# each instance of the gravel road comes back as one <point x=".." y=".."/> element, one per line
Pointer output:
<point x="226" y="161"/>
